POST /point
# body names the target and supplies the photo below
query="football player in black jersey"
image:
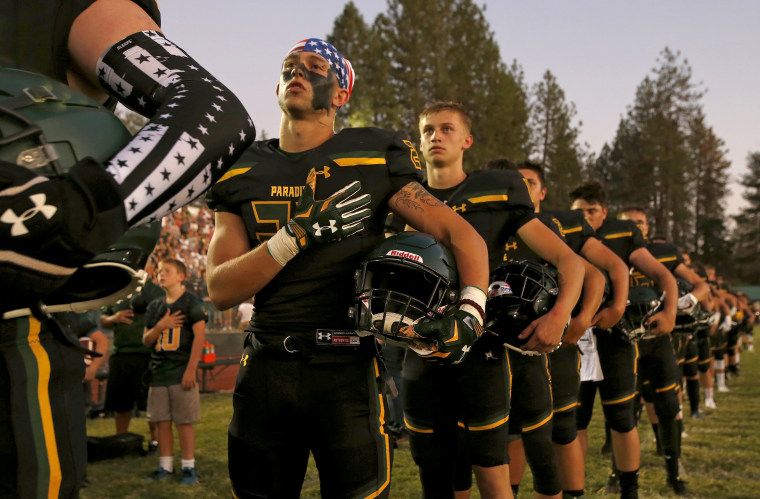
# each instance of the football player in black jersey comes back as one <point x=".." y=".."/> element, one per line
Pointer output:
<point x="443" y="424"/>
<point x="660" y="378"/>
<point x="564" y="362"/>
<point x="617" y="355"/>
<point x="107" y="49"/>
<point x="307" y="381"/>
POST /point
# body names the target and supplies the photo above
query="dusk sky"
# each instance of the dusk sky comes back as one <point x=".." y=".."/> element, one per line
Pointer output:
<point x="599" y="51"/>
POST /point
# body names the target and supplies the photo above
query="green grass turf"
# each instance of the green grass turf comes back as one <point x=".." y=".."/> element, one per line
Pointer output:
<point x="721" y="454"/>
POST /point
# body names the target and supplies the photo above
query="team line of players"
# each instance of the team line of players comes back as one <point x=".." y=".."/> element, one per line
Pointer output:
<point x="299" y="260"/>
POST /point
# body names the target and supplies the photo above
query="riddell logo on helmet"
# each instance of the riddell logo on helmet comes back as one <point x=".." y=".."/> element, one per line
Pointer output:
<point x="405" y="254"/>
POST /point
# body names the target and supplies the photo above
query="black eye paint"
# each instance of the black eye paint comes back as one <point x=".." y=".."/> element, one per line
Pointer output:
<point x="320" y="84"/>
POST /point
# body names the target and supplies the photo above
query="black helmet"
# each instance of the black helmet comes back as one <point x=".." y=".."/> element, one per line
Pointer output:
<point x="48" y="127"/>
<point x="408" y="278"/>
<point x="642" y="303"/>
<point x="520" y="292"/>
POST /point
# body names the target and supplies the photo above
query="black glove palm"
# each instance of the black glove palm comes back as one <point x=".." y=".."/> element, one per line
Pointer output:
<point x="449" y="337"/>
<point x="339" y="216"/>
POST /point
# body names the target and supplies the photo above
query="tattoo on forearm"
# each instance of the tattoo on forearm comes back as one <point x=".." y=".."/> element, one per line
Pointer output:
<point x="415" y="197"/>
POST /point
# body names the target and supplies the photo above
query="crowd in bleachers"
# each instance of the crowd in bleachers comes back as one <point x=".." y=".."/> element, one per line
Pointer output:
<point x="185" y="235"/>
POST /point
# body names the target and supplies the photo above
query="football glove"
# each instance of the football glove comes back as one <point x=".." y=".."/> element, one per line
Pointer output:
<point x="339" y="216"/>
<point x="725" y="325"/>
<point x="320" y="221"/>
<point x="687" y="302"/>
<point x="448" y="338"/>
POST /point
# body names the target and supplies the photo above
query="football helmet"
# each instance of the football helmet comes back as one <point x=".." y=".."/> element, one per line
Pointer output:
<point x="520" y="292"/>
<point x="48" y="127"/>
<point x="408" y="278"/>
<point x="642" y="303"/>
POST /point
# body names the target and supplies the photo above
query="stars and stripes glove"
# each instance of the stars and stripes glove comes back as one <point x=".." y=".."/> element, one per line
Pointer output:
<point x="320" y="221"/>
<point x="448" y="338"/>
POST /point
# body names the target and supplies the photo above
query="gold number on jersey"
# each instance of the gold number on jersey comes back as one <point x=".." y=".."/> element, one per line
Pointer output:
<point x="169" y="340"/>
<point x="276" y="213"/>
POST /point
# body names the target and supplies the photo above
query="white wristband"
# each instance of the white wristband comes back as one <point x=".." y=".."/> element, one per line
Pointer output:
<point x="477" y="295"/>
<point x="282" y="247"/>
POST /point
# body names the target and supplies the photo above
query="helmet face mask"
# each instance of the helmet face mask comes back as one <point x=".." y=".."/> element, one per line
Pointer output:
<point x="409" y="278"/>
<point x="642" y="303"/>
<point x="519" y="293"/>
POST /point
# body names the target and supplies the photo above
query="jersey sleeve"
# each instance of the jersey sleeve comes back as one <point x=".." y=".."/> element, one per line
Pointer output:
<point x="638" y="239"/>
<point x="403" y="163"/>
<point x="197" y="312"/>
<point x="519" y="201"/>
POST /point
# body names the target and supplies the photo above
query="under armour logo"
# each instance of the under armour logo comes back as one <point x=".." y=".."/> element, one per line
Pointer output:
<point x="18" y="228"/>
<point x="318" y="230"/>
<point x="324" y="336"/>
<point x="244" y="359"/>
<point x="462" y="208"/>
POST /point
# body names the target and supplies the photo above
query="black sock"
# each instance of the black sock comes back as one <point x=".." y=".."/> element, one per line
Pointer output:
<point x="629" y="484"/>
<point x="658" y="440"/>
<point x="670" y="437"/>
<point x="515" y="488"/>
<point x="692" y="389"/>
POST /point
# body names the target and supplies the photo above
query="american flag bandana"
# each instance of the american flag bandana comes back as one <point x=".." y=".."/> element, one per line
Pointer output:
<point x="339" y="64"/>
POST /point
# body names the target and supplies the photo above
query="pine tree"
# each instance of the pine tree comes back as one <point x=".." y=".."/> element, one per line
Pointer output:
<point x="746" y="236"/>
<point x="422" y="52"/>
<point x="556" y="140"/>
<point x="708" y="175"/>
<point x="653" y="153"/>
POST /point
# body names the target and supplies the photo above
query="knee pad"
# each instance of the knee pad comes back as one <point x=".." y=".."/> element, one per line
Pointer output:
<point x="564" y="430"/>
<point x="539" y="452"/>
<point x="620" y="416"/>
<point x="666" y="404"/>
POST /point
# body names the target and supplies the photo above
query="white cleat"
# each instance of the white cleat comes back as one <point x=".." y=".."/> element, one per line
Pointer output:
<point x="710" y="404"/>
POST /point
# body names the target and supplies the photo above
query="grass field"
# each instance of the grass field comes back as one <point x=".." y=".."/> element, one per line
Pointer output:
<point x="721" y="454"/>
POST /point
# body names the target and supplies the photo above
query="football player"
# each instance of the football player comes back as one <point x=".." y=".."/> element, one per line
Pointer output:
<point x="307" y="381"/>
<point x="564" y="362"/>
<point x="617" y="355"/>
<point x="111" y="50"/>
<point x="498" y="205"/>
<point x="658" y="367"/>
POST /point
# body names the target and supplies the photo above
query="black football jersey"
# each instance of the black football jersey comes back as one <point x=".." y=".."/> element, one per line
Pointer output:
<point x="315" y="289"/>
<point x="172" y="349"/>
<point x="495" y="202"/>
<point x="623" y="237"/>
<point x="575" y="228"/>
<point x="516" y="249"/>
<point x="667" y="254"/>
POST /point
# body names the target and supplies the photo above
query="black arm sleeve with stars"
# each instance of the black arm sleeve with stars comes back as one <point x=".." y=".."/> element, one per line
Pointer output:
<point x="198" y="128"/>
